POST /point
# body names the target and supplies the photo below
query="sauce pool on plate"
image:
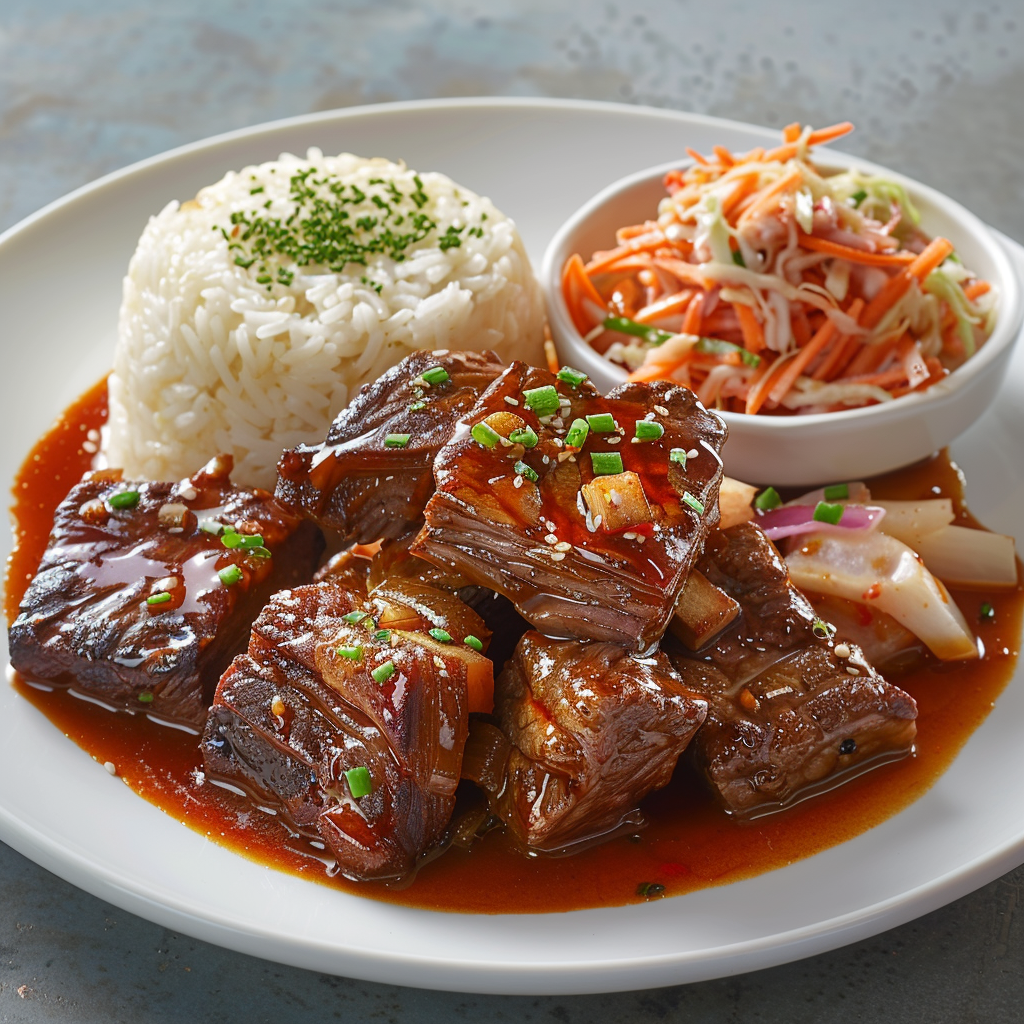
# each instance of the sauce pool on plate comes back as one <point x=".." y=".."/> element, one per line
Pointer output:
<point x="689" y="842"/>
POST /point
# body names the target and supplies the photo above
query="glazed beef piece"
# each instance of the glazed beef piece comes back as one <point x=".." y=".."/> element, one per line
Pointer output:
<point x="372" y="476"/>
<point x="147" y="590"/>
<point x="351" y="716"/>
<point x="587" y="731"/>
<point x="788" y="707"/>
<point x="586" y="512"/>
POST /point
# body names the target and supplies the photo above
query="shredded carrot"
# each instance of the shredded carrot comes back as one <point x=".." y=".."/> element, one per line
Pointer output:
<point x="667" y="306"/>
<point x="743" y="188"/>
<point x="791" y="132"/>
<point x="691" y="322"/>
<point x="976" y="289"/>
<point x="822" y="135"/>
<point x="847" y="252"/>
<point x="576" y="284"/>
<point x="725" y="158"/>
<point x="800" y="362"/>
<point x="753" y="333"/>
<point x="697" y="156"/>
<point x="767" y="196"/>
<point x="551" y="355"/>
<point x="602" y="261"/>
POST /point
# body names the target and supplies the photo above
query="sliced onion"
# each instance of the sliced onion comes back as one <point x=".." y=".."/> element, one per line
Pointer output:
<point x="790" y="520"/>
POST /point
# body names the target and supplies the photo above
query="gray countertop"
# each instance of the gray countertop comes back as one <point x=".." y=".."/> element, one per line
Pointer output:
<point x="87" y="87"/>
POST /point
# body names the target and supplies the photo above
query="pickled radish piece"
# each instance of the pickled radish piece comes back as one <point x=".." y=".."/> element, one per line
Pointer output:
<point x="909" y="521"/>
<point x="877" y="570"/>
<point x="968" y="557"/>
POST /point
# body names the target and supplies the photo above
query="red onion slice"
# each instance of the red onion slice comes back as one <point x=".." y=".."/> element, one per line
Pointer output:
<point x="790" y="520"/>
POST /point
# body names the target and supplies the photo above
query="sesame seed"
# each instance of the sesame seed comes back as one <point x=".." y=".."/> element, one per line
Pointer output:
<point x="550" y="539"/>
<point x="614" y="440"/>
<point x="563" y="545"/>
<point x="517" y="482"/>
<point x="853" y="670"/>
<point x="629" y="536"/>
<point x="661" y="410"/>
<point x="511" y="400"/>
<point x="692" y="453"/>
<point x="557" y="556"/>
<point x="842" y="650"/>
<point x="111" y="767"/>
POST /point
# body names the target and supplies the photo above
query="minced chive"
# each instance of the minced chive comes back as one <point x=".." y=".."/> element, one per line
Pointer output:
<point x="211" y="526"/>
<point x="648" y="889"/>
<point x="577" y="433"/>
<point x="720" y="347"/>
<point x="570" y="376"/>
<point x="396" y="440"/>
<point x="526" y="471"/>
<point x="858" y="197"/>
<point x="694" y="503"/>
<point x="354" y="618"/>
<point x="543" y="401"/>
<point x="526" y="436"/>
<point x="146" y="697"/>
<point x="649" y="334"/>
<point x="382" y="673"/>
<point x="158" y="598"/>
<point x="474" y="642"/>
<point x="647" y="430"/>
<point x="986" y="613"/>
<point x="606" y="463"/>
<point x="678" y="455"/>
<point x="737" y="258"/>
<point x="602" y="422"/>
<point x="823" y="630"/>
<point x="123" y="499"/>
<point x="837" y="491"/>
<point x="416" y="406"/>
<point x="767" y="500"/>
<point x="827" y="513"/>
<point x="442" y="636"/>
<point x="435" y="375"/>
<point x="382" y="635"/>
<point x="485" y="434"/>
<point x="352" y="653"/>
<point x="359" y="781"/>
<point x="231" y="575"/>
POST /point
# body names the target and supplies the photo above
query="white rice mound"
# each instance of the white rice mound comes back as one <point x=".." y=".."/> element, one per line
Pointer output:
<point x="210" y="360"/>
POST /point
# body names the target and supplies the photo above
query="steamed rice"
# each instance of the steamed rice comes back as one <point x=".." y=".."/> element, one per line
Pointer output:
<point x="215" y="356"/>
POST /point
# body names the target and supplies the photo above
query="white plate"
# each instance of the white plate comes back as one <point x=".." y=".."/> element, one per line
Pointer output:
<point x="538" y="161"/>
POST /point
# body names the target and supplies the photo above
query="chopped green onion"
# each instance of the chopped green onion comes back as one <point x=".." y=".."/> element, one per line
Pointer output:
<point x="606" y="463"/>
<point x="647" y="430"/>
<point x="737" y="258"/>
<point x="718" y="347"/>
<point x="694" y="503"/>
<point x="231" y="575"/>
<point x="354" y="618"/>
<point x="823" y="630"/>
<point x="837" y="491"/>
<point x="435" y="375"/>
<point x="123" y="499"/>
<point x="626" y="326"/>
<point x="352" y="653"/>
<point x="258" y="552"/>
<point x="231" y="540"/>
<point x="678" y="455"/>
<point x="526" y="436"/>
<point x="211" y="526"/>
<point x="648" y="889"/>
<point x="359" y="782"/>
<point x="416" y="406"/>
<point x="474" y="642"/>
<point x="251" y="540"/>
<point x="382" y="673"/>
<point x="146" y="697"/>
<point x="858" y="197"/>
<point x="543" y="401"/>
<point x="572" y="377"/>
<point x="383" y="635"/>
<point x="986" y="613"/>
<point x="396" y="440"/>
<point x="158" y="598"/>
<point x="442" y="636"/>
<point x="767" y="500"/>
<point x="826" y="513"/>
<point x="577" y="435"/>
<point x="602" y="422"/>
<point x="485" y="435"/>
<point x="526" y="471"/>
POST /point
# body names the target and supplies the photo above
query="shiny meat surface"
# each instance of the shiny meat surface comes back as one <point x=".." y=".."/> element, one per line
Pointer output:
<point x="589" y="536"/>
<point x="790" y="710"/>
<point x="147" y="590"/>
<point x="589" y="731"/>
<point x="372" y="475"/>
<point x="352" y="718"/>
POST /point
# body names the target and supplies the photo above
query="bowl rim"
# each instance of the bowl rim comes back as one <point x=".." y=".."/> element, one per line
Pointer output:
<point x="1007" y="329"/>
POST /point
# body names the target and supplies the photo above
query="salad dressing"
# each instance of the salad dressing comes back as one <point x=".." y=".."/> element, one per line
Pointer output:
<point x="689" y="842"/>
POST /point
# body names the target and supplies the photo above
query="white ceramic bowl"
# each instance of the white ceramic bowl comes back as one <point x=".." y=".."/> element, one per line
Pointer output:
<point x="813" y="449"/>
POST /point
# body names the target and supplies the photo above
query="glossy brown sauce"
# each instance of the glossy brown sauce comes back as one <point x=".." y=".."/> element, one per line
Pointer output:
<point x="689" y="842"/>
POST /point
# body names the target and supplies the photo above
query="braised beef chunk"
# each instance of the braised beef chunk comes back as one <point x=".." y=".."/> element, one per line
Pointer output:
<point x="350" y="712"/>
<point x="372" y="476"/>
<point x="788" y="706"/>
<point x="147" y="590"/>
<point x="589" y="731"/>
<point x="586" y="512"/>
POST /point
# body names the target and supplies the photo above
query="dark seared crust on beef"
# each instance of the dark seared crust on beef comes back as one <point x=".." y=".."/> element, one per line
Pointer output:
<point x="591" y="732"/>
<point x="786" y="715"/>
<point x="293" y="715"/>
<point x="539" y="545"/>
<point x="352" y="482"/>
<point x="85" y="620"/>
